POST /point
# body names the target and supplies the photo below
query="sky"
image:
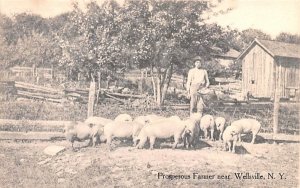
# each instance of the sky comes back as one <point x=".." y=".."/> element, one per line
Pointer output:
<point x="270" y="16"/>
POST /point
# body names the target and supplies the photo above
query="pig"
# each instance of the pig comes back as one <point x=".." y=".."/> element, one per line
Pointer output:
<point x="136" y="129"/>
<point x="148" y="119"/>
<point x="152" y="118"/>
<point x="192" y="131"/>
<point x="123" y="117"/>
<point x="121" y="130"/>
<point x="207" y="123"/>
<point x="220" y="125"/>
<point x="97" y="133"/>
<point x="93" y="120"/>
<point x="80" y="131"/>
<point x="177" y="118"/>
<point x="161" y="129"/>
<point x="228" y="137"/>
<point x="141" y="119"/>
<point x="246" y="126"/>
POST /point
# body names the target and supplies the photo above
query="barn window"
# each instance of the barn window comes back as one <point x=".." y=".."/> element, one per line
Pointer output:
<point x="252" y="81"/>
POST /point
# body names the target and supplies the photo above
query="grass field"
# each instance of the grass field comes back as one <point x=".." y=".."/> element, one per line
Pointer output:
<point x="29" y="110"/>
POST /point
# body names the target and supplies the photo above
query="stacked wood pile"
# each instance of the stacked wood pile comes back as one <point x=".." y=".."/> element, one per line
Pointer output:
<point x="31" y="91"/>
<point x="7" y="90"/>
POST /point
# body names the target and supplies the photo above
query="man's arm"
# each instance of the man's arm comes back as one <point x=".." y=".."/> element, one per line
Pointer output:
<point x="189" y="80"/>
<point x="206" y="78"/>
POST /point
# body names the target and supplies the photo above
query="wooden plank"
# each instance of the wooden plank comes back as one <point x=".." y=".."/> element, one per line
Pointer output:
<point x="126" y="95"/>
<point x="39" y="94"/>
<point x="41" y="136"/>
<point x="32" y="96"/>
<point x="282" y="137"/>
<point x="115" y="98"/>
<point x="37" y="88"/>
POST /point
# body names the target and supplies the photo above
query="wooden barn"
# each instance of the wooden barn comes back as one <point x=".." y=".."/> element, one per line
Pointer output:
<point x="269" y="64"/>
<point x="227" y="58"/>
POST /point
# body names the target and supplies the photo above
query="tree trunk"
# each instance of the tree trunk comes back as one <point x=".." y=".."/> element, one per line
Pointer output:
<point x="153" y="82"/>
<point x="99" y="87"/>
<point x="158" y="94"/>
<point x="92" y="92"/>
<point x="166" y="83"/>
<point x="183" y="81"/>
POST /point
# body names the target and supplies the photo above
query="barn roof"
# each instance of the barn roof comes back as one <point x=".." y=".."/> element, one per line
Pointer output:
<point x="275" y="48"/>
<point x="231" y="54"/>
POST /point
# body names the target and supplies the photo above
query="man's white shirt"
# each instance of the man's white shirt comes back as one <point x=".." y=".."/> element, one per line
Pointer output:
<point x="197" y="77"/>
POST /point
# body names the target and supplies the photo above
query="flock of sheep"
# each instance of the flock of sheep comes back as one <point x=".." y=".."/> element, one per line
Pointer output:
<point x="149" y="127"/>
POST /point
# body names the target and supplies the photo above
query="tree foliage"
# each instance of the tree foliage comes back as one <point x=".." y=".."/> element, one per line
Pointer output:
<point x="249" y="35"/>
<point x="161" y="36"/>
<point x="288" y="38"/>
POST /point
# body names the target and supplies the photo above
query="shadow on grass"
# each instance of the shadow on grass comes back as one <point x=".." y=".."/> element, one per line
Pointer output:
<point x="241" y="150"/>
<point x="260" y="140"/>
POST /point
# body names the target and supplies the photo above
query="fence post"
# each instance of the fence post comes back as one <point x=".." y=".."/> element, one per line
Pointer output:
<point x="141" y="83"/>
<point x="276" y="113"/>
<point x="276" y="101"/>
<point x="92" y="92"/>
<point x="52" y="72"/>
<point x="99" y="87"/>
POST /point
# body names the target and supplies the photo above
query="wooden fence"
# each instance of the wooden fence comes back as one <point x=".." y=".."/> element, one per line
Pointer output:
<point x="13" y="89"/>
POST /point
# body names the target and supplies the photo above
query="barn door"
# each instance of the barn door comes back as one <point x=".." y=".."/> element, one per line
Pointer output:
<point x="292" y="80"/>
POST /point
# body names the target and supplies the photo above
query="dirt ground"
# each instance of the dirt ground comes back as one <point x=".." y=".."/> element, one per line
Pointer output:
<point x="25" y="165"/>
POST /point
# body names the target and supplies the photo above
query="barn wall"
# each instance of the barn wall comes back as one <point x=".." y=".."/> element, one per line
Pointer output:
<point x="289" y="75"/>
<point x="257" y="68"/>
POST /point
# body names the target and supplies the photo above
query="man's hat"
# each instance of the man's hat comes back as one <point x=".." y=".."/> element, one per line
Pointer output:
<point x="197" y="58"/>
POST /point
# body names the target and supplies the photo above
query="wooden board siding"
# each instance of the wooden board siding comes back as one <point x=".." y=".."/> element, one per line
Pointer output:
<point x="258" y="66"/>
<point x="289" y="73"/>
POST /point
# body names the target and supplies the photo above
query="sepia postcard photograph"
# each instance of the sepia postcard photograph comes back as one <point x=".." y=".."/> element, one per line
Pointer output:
<point x="150" y="93"/>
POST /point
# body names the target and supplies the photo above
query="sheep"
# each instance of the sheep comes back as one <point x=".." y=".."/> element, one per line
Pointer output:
<point x="220" y="125"/>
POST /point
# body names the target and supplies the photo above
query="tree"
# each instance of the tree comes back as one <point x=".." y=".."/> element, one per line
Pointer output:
<point x="25" y="40"/>
<point x="165" y="34"/>
<point x="162" y="36"/>
<point x="289" y="38"/>
<point x="94" y="45"/>
<point x="249" y="35"/>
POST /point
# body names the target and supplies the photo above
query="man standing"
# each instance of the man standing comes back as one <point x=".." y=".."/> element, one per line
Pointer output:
<point x="197" y="79"/>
